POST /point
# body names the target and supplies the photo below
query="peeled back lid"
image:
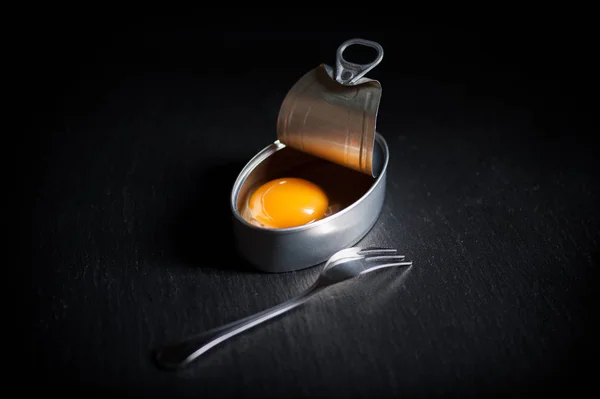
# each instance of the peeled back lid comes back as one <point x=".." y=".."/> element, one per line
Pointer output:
<point x="331" y="113"/>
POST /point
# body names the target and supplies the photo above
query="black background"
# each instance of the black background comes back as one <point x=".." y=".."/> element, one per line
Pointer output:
<point x="142" y="123"/>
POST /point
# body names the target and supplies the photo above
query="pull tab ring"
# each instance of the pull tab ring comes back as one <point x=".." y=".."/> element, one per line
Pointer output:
<point x="348" y="73"/>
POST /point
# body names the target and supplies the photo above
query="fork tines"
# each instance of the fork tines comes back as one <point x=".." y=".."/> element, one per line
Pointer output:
<point x="377" y="251"/>
<point x="382" y="257"/>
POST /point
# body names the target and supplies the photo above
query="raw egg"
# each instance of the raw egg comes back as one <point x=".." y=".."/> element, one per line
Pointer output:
<point x="287" y="202"/>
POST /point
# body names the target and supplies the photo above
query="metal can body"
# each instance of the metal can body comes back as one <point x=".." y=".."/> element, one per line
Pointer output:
<point x="284" y="250"/>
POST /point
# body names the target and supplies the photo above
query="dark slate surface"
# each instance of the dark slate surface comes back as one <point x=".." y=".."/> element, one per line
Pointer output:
<point x="492" y="192"/>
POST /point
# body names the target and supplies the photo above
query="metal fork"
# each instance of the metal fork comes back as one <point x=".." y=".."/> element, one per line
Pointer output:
<point x="343" y="265"/>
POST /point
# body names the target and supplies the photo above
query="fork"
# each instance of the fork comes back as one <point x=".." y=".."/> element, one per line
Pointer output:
<point x="343" y="265"/>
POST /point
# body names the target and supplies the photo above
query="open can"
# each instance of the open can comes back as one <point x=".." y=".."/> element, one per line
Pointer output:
<point x="326" y="134"/>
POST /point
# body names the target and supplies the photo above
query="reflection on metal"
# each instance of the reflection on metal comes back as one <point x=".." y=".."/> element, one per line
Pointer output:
<point x="332" y="113"/>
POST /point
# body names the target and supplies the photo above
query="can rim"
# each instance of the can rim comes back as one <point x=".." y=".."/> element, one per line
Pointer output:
<point x="277" y="146"/>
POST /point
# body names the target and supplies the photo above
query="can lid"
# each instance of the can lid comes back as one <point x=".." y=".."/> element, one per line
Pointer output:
<point x="331" y="113"/>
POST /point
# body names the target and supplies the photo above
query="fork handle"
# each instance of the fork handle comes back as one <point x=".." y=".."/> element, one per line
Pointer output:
<point x="180" y="354"/>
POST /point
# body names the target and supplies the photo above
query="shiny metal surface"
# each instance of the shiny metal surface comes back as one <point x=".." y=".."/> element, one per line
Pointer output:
<point x="283" y="250"/>
<point x="349" y="73"/>
<point x="344" y="265"/>
<point x="332" y="113"/>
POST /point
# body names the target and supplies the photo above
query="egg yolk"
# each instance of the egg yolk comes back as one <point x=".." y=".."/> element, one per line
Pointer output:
<point x="288" y="202"/>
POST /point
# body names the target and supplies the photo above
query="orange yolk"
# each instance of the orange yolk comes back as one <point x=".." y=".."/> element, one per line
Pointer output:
<point x="288" y="202"/>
